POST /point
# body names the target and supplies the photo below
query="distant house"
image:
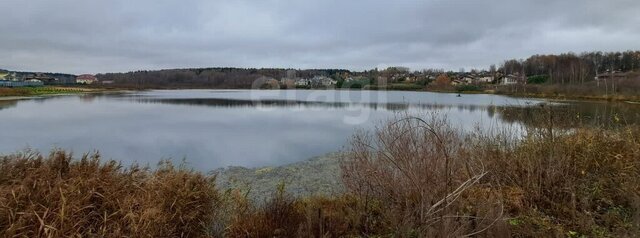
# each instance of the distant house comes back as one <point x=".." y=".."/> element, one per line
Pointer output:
<point x="486" y="79"/>
<point x="357" y="78"/>
<point x="511" y="79"/>
<point x="457" y="82"/>
<point x="8" y="76"/>
<point x="303" y="82"/>
<point x="86" y="79"/>
<point x="107" y="82"/>
<point x="27" y="83"/>
<point x="467" y="80"/>
<point x="45" y="79"/>
<point x="322" y="81"/>
<point x="611" y="75"/>
<point x="411" y="79"/>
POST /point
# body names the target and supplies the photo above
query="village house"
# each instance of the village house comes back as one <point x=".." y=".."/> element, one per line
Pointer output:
<point x="467" y="79"/>
<point x="356" y="78"/>
<point x="86" y="79"/>
<point x="611" y="75"/>
<point x="41" y="77"/>
<point x="511" y="79"/>
<point x="303" y="83"/>
<point x="411" y="79"/>
<point x="322" y="81"/>
<point x="26" y="83"/>
<point x="8" y="76"/>
<point x="457" y="82"/>
<point x="485" y="79"/>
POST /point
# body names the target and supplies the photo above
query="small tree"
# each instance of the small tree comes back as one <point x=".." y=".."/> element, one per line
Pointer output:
<point x="442" y="81"/>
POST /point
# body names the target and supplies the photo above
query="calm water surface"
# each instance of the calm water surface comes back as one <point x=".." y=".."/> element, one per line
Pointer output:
<point x="219" y="128"/>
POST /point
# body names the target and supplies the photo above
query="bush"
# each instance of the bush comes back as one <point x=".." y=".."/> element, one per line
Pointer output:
<point x="584" y="181"/>
<point x="554" y="181"/>
<point x="421" y="179"/>
<point x="57" y="196"/>
<point x="537" y="79"/>
<point x="355" y="84"/>
<point x="14" y="92"/>
<point x="468" y="88"/>
<point x="302" y="87"/>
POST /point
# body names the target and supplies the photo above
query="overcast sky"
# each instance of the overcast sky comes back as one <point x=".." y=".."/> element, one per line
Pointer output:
<point x="84" y="36"/>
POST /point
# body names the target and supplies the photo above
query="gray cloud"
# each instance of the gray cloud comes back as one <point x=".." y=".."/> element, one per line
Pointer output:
<point x="120" y="35"/>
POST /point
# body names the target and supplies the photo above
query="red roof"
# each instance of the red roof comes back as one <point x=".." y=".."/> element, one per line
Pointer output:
<point x="86" y="77"/>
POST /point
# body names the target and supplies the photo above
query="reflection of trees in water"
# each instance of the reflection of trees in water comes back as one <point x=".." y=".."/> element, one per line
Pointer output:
<point x="229" y="103"/>
<point x="560" y="115"/>
<point x="7" y="104"/>
<point x="571" y="115"/>
<point x="88" y="97"/>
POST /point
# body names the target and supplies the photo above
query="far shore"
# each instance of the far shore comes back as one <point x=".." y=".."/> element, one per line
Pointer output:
<point x="14" y="94"/>
<point x="79" y="90"/>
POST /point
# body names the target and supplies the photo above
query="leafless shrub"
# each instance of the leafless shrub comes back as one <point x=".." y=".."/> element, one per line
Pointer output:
<point x="418" y="171"/>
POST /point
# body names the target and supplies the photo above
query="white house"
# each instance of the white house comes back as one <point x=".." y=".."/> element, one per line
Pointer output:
<point x="487" y="79"/>
<point x="468" y="80"/>
<point x="303" y="82"/>
<point x="510" y="79"/>
<point x="322" y="81"/>
<point x="86" y="79"/>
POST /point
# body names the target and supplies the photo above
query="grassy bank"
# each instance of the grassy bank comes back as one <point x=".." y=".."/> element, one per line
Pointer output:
<point x="43" y="91"/>
<point x="624" y="90"/>
<point x="412" y="177"/>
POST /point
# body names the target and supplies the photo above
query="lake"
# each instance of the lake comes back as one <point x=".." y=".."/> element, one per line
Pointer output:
<point x="210" y="129"/>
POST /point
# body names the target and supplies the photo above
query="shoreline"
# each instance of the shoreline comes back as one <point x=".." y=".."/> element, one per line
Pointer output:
<point x="564" y="98"/>
<point x="80" y="91"/>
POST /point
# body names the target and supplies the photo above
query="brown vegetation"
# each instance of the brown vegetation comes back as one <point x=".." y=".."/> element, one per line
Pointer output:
<point x="419" y="172"/>
<point x="567" y="182"/>
<point x="624" y="89"/>
<point x="57" y="196"/>
<point x="5" y="92"/>
<point x="409" y="178"/>
<point x="442" y="81"/>
<point x="421" y="178"/>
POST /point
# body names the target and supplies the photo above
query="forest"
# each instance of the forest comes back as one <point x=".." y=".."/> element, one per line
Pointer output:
<point x="240" y="78"/>
<point x="561" y="69"/>
<point x="571" y="68"/>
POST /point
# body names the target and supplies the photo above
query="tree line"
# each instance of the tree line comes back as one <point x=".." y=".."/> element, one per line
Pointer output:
<point x="567" y="68"/>
<point x="208" y="77"/>
<point x="571" y="68"/>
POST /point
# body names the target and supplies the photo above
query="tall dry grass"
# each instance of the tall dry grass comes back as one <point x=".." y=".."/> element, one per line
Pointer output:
<point x="57" y="196"/>
<point x="423" y="180"/>
<point x="434" y="180"/>
<point x="6" y="92"/>
<point x="616" y="90"/>
<point x="583" y="181"/>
